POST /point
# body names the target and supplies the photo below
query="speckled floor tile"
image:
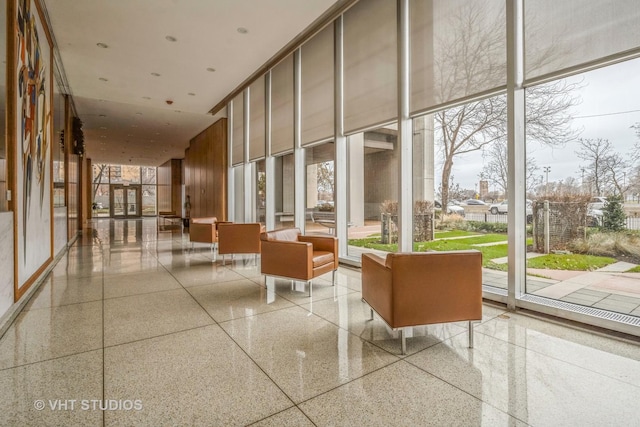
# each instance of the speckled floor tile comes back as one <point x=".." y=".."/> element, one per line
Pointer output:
<point x="292" y="417"/>
<point x="35" y="395"/>
<point x="402" y="395"/>
<point x="232" y="300"/>
<point x="351" y="313"/>
<point x="48" y="333"/>
<point x="59" y="290"/>
<point x="196" y="377"/>
<point x="602" y="354"/>
<point x="304" y="354"/>
<point x="138" y="283"/>
<point x="204" y="274"/>
<point x="148" y="315"/>
<point x="298" y="291"/>
<point x="530" y="386"/>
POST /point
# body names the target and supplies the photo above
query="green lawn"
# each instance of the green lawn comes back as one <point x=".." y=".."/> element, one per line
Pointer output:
<point x="551" y="261"/>
<point x="453" y="233"/>
<point x="635" y="269"/>
<point x="572" y="262"/>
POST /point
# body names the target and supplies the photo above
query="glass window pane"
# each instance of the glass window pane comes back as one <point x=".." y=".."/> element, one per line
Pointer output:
<point x="370" y="64"/>
<point x="320" y="180"/>
<point x="373" y="191"/>
<point x="563" y="34"/>
<point x="458" y="49"/>
<point x="237" y="144"/>
<point x="317" y="87"/>
<point x="256" y="120"/>
<point x="149" y="199"/>
<point x="584" y="193"/>
<point x="261" y="191"/>
<point x="284" y="194"/>
<point x="239" y="188"/>
<point x="149" y="175"/>
<point x="282" y="106"/>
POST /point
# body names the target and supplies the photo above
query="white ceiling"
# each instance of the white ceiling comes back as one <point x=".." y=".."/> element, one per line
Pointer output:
<point x="127" y="118"/>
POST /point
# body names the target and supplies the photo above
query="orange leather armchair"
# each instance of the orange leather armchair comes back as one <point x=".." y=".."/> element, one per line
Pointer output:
<point x="287" y="253"/>
<point x="234" y="238"/>
<point x="203" y="230"/>
<point x="411" y="289"/>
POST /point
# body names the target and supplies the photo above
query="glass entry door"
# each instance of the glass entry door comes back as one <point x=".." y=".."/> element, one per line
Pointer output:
<point x="125" y="201"/>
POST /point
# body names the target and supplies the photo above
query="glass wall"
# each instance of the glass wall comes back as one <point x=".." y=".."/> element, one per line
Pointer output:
<point x="261" y="191"/>
<point x="472" y="162"/>
<point x="109" y="178"/>
<point x="320" y="213"/>
<point x="373" y="191"/>
<point x="57" y="149"/>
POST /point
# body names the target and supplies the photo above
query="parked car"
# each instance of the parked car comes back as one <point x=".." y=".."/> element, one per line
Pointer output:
<point x="597" y="203"/>
<point x="594" y="217"/>
<point x="503" y="208"/>
<point x="451" y="208"/>
<point x="476" y="202"/>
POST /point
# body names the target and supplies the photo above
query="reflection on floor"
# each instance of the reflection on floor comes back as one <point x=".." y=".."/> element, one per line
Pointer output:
<point x="134" y="327"/>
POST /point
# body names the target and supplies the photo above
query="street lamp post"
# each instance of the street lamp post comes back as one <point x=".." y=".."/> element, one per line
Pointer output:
<point x="546" y="170"/>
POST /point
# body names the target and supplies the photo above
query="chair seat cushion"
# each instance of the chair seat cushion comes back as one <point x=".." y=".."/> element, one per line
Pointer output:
<point x="321" y="258"/>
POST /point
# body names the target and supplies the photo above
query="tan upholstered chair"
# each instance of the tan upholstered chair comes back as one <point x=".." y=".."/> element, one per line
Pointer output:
<point x="234" y="238"/>
<point x="203" y="230"/>
<point x="411" y="289"/>
<point x="287" y="253"/>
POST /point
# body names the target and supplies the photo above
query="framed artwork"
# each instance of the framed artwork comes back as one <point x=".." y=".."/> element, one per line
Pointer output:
<point x="34" y="121"/>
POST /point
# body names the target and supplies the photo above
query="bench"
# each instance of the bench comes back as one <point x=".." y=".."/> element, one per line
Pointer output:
<point x="167" y="215"/>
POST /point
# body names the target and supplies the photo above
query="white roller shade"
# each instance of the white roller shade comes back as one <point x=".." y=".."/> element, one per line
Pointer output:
<point x="458" y="49"/>
<point x="568" y="33"/>
<point x="256" y="120"/>
<point x="370" y="64"/>
<point x="317" y="87"/>
<point x="237" y="143"/>
<point x="282" y="106"/>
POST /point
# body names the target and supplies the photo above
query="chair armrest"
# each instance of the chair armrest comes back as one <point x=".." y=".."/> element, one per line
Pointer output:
<point x="204" y="233"/>
<point x="287" y="259"/>
<point x="377" y="286"/>
<point x="323" y="243"/>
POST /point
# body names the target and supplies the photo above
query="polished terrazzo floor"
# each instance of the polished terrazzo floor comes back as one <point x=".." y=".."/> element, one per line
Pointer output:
<point x="135" y="327"/>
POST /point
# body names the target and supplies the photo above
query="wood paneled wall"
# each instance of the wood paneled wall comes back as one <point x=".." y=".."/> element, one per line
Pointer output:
<point x="170" y="186"/>
<point x="206" y="164"/>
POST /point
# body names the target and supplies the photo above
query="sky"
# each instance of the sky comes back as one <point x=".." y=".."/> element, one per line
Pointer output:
<point x="610" y="106"/>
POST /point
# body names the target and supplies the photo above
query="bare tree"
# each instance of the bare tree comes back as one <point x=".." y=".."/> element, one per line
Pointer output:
<point x="595" y="153"/>
<point x="468" y="57"/>
<point x="496" y="168"/>
<point x="97" y="177"/>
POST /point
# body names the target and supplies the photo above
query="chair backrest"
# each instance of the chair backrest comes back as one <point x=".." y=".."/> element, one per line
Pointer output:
<point x="446" y="285"/>
<point x="204" y="220"/>
<point x="282" y="234"/>
<point x="239" y="238"/>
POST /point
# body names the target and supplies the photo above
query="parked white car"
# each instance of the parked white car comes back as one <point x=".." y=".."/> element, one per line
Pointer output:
<point x="503" y="208"/>
<point x="597" y="203"/>
<point x="451" y="208"/>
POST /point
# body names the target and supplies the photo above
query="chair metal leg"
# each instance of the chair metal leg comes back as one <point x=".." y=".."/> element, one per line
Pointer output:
<point x="224" y="259"/>
<point x="333" y="279"/>
<point x="370" y="313"/>
<point x="470" y="334"/>
<point x="310" y="287"/>
<point x="403" y="340"/>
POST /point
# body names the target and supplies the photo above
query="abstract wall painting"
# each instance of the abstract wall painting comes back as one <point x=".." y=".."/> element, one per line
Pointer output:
<point x="34" y="122"/>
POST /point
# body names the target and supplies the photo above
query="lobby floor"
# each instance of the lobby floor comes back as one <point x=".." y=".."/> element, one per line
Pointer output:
<point x="135" y="327"/>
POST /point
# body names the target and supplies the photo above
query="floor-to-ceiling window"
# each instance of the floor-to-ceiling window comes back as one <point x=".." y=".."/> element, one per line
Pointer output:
<point x="470" y="178"/>
<point x="123" y="191"/>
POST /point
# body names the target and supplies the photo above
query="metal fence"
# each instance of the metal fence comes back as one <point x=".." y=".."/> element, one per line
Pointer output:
<point x="633" y="222"/>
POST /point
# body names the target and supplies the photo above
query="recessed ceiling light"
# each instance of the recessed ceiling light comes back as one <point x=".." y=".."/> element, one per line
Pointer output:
<point x="103" y="127"/>
<point x="155" y="74"/>
<point x="242" y="30"/>
<point x="157" y="133"/>
<point x="211" y="70"/>
<point x="191" y="94"/>
<point x="103" y="79"/>
<point x="167" y="124"/>
<point x="102" y="115"/>
<point x="134" y="126"/>
<point x="146" y="97"/>
<point x="103" y="136"/>
<point x="177" y="111"/>
<point x="129" y="134"/>
<point x="152" y="140"/>
<point x="102" y="45"/>
<point x="139" y="113"/>
<point x="171" y="39"/>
